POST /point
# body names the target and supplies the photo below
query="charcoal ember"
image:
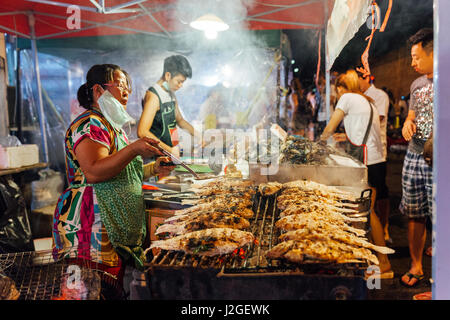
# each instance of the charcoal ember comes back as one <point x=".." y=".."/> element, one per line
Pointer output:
<point x="8" y="290"/>
<point x="81" y="284"/>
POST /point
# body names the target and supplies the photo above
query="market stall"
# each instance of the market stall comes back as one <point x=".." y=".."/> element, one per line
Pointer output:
<point x="250" y="61"/>
<point x="244" y="252"/>
<point x="235" y="250"/>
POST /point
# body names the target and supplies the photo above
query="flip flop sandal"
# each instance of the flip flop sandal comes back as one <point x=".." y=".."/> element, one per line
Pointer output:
<point x="419" y="278"/>
<point x="423" y="296"/>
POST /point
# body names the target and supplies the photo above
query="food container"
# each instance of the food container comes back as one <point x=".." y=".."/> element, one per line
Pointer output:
<point x="331" y="175"/>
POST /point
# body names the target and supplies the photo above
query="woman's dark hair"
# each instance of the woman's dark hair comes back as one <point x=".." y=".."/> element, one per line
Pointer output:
<point x="98" y="74"/>
<point x="177" y="64"/>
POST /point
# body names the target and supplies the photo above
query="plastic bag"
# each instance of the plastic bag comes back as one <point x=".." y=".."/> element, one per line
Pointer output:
<point x="47" y="189"/>
<point x="15" y="230"/>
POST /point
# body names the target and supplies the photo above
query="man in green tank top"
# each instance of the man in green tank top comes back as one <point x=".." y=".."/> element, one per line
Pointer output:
<point x="161" y="114"/>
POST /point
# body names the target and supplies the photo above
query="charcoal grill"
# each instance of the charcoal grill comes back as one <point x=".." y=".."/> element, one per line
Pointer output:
<point x="39" y="275"/>
<point x="247" y="274"/>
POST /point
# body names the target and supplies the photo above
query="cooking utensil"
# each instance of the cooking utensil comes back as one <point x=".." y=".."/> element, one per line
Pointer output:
<point x="179" y="162"/>
<point x="183" y="164"/>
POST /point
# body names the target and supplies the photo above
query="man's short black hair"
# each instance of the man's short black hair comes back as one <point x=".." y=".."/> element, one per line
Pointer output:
<point x="177" y="64"/>
<point x="424" y="36"/>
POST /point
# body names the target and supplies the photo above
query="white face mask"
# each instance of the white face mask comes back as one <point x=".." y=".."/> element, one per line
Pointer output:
<point x="165" y="85"/>
<point x="113" y="110"/>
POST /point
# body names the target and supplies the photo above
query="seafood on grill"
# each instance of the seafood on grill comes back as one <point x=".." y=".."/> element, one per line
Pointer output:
<point x="319" y="209"/>
<point x="204" y="220"/>
<point x="319" y="189"/>
<point x="329" y="250"/>
<point x="304" y="198"/>
<point x="269" y="188"/>
<point x="208" y="242"/>
<point x="299" y="221"/>
<point x="337" y="235"/>
<point x="246" y="213"/>
<point x="8" y="290"/>
<point x="221" y="183"/>
<point x="233" y="205"/>
<point x="303" y="151"/>
<point x="238" y="196"/>
<point x="214" y="191"/>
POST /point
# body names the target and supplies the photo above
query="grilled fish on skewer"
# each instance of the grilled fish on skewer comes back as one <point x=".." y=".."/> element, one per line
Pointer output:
<point x="227" y="190"/>
<point x="311" y="206"/>
<point x="330" y="251"/>
<point x="318" y="210"/>
<point x="208" y="242"/>
<point x="246" y="213"/>
<point x="219" y="183"/>
<point x="270" y="188"/>
<point x="299" y="221"/>
<point x="243" y="196"/>
<point x="316" y="193"/>
<point x="285" y="200"/>
<point x="205" y="221"/>
<point x="320" y="188"/>
<point x="336" y="235"/>
<point x="220" y="204"/>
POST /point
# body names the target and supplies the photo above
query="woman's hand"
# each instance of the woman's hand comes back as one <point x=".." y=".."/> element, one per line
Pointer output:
<point x="146" y="147"/>
<point x="163" y="170"/>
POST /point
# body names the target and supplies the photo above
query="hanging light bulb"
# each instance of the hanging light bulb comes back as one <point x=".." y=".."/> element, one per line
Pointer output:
<point x="210" y="34"/>
<point x="210" y="24"/>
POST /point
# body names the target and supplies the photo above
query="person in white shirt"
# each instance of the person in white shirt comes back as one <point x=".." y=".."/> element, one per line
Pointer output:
<point x="381" y="102"/>
<point x="354" y="108"/>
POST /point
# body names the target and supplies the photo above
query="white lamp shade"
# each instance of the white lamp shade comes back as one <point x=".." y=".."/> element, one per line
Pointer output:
<point x="209" y="22"/>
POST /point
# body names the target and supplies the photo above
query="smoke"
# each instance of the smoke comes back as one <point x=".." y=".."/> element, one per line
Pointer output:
<point x="238" y="59"/>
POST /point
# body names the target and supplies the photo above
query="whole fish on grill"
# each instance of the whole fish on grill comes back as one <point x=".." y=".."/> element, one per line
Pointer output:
<point x="208" y="242"/>
<point x="214" y="191"/>
<point x="320" y="210"/>
<point x="205" y="220"/>
<point x="241" y="196"/>
<point x="222" y="183"/>
<point x="246" y="213"/>
<point x="299" y="251"/>
<point x="300" y="221"/>
<point x="318" y="188"/>
<point x="269" y="188"/>
<point x="233" y="205"/>
<point x="305" y="197"/>
<point x="337" y="235"/>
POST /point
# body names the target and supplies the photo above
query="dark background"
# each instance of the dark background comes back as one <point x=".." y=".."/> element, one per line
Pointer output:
<point x="406" y="18"/>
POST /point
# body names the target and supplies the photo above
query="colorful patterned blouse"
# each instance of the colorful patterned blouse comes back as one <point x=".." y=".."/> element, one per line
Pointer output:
<point x="81" y="226"/>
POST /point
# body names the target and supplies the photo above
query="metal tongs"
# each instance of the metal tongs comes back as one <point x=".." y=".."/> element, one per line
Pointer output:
<point x="178" y="161"/>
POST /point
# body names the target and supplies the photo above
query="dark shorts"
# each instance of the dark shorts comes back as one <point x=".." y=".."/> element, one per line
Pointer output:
<point x="377" y="179"/>
<point x="417" y="187"/>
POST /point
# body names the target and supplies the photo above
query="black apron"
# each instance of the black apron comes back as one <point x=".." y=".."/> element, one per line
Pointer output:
<point x="164" y="125"/>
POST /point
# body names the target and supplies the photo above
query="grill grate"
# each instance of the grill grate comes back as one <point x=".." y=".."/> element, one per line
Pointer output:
<point x="251" y="259"/>
<point x="40" y="275"/>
